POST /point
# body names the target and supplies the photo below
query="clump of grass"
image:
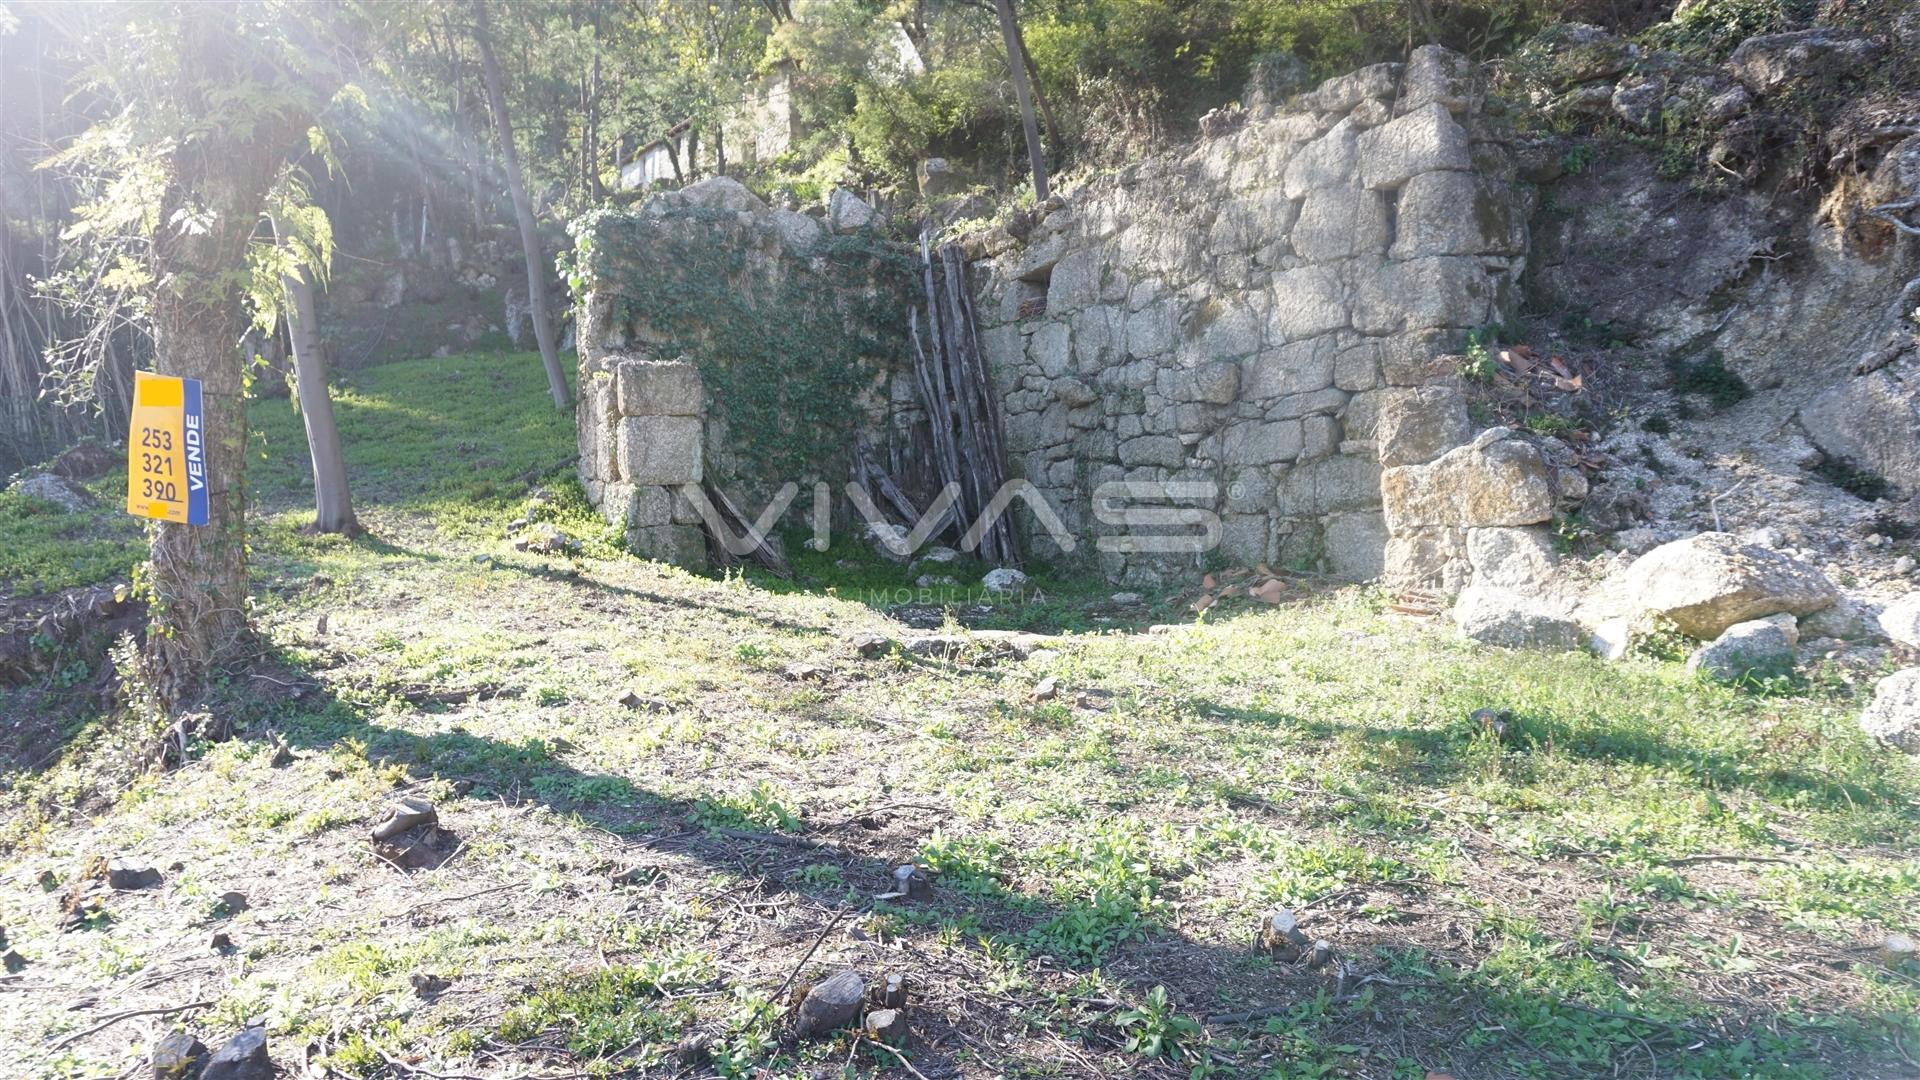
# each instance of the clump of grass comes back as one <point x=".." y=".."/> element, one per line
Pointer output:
<point x="1708" y="376"/>
<point x="1847" y="475"/>
<point x="759" y="809"/>
<point x="609" y="1009"/>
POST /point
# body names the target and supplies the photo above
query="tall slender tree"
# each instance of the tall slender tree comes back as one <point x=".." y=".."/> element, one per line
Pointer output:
<point x="1017" y="69"/>
<point x="522" y="209"/>
<point x="332" y="499"/>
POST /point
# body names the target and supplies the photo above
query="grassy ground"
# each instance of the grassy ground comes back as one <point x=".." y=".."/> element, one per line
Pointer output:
<point x="1641" y="876"/>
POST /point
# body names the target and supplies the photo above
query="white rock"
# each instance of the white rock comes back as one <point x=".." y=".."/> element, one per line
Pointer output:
<point x="1710" y="581"/>
<point x="54" y="489"/>
<point x="1004" y="579"/>
<point x="1901" y="620"/>
<point x="1611" y="640"/>
<point x="1894" y="715"/>
<point x="1501" y="617"/>
<point x="1758" y="647"/>
<point x="846" y="212"/>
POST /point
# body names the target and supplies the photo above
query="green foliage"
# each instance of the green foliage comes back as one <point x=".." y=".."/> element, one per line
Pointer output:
<point x="461" y="438"/>
<point x="784" y="348"/>
<point x="1708" y="376"/>
<point x="1576" y="159"/>
<point x="1477" y="363"/>
<point x="610" y="1009"/>
<point x="1154" y="1029"/>
<point x="1105" y="888"/>
<point x="1849" y="476"/>
<point x="1548" y="424"/>
<point x="758" y="809"/>
<point x="1308" y="872"/>
<point x="1710" y="30"/>
<point x="45" y="549"/>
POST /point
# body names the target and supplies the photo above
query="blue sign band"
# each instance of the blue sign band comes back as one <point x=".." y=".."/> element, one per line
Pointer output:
<point x="194" y="429"/>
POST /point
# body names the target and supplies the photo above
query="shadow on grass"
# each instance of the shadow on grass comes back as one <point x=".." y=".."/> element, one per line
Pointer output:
<point x="1420" y="996"/>
<point x="1437" y="757"/>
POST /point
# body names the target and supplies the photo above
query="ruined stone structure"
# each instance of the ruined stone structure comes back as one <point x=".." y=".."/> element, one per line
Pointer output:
<point x="642" y="436"/>
<point x="1236" y="318"/>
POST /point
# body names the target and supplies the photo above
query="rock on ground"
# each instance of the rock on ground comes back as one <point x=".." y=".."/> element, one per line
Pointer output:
<point x="1494" y="616"/>
<point x="1758" y="647"/>
<point x="1894" y="715"/>
<point x="56" y="490"/>
<point x="243" y="1057"/>
<point x="832" y="1003"/>
<point x="1708" y="582"/>
<point x="1004" y="579"/>
<point x="1901" y="620"/>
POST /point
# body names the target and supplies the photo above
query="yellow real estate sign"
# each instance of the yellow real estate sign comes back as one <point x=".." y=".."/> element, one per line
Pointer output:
<point x="167" y="450"/>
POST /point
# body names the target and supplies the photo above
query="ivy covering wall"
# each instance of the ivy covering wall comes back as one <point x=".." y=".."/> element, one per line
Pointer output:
<point x="793" y="328"/>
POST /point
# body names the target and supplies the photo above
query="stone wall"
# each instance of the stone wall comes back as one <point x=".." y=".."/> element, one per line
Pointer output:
<point x="1237" y="315"/>
<point x="641" y="429"/>
<point x="1234" y="317"/>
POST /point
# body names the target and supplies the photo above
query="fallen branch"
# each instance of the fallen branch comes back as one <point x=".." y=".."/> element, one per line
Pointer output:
<point x="128" y="1015"/>
<point x="811" y="949"/>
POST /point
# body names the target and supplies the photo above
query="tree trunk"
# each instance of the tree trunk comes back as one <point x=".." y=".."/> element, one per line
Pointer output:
<point x="197" y="615"/>
<point x="1054" y="142"/>
<point x="332" y="502"/>
<point x="1010" y="31"/>
<point x="522" y="210"/>
<point x="595" y="189"/>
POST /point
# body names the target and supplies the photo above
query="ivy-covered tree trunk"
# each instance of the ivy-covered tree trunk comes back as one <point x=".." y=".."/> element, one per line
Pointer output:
<point x="217" y="181"/>
<point x="197" y="620"/>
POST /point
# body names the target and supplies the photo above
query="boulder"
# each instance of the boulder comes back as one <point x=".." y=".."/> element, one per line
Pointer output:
<point x="1496" y="480"/>
<point x="1342" y="92"/>
<point x="1769" y="62"/>
<point x="1708" y="582"/>
<point x="1894" y="715"/>
<point x="1004" y="580"/>
<point x="657" y="389"/>
<point x="1759" y="647"/>
<point x="1638" y="101"/>
<point x="1872" y="420"/>
<point x="1612" y="639"/>
<point x="721" y="193"/>
<point x="797" y="230"/>
<point x="1436" y="75"/>
<point x="660" y="449"/>
<point x="1901" y="620"/>
<point x="1517" y="559"/>
<point x="1424" y="140"/>
<point x="1848" y="620"/>
<point x="127" y="874"/>
<point x="1579" y="52"/>
<point x="847" y="213"/>
<point x="1457" y="213"/>
<point x="1495" y="616"/>
<point x="177" y="1055"/>
<point x="54" y="489"/>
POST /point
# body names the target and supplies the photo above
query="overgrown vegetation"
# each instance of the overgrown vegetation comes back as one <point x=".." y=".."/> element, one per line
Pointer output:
<point x="803" y="339"/>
